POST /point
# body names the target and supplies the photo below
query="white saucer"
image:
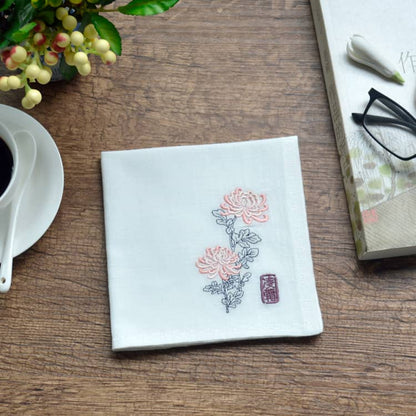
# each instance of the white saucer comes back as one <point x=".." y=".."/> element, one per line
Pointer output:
<point x="43" y="193"/>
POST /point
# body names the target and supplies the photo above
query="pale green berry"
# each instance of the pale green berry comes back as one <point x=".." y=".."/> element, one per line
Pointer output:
<point x="69" y="22"/>
<point x="4" y="85"/>
<point x="69" y="57"/>
<point x="109" y="57"/>
<point x="51" y="58"/>
<point x="54" y="3"/>
<point x="44" y="76"/>
<point x="18" y="54"/>
<point x="80" y="58"/>
<point x="76" y="1"/>
<point x="90" y="32"/>
<point x="34" y="96"/>
<point x="62" y="39"/>
<point x="39" y="39"/>
<point x="101" y="46"/>
<point x="27" y="104"/>
<point x="14" y="82"/>
<point x="61" y="12"/>
<point x="11" y="64"/>
<point x="77" y="38"/>
<point x="84" y="69"/>
<point x="40" y="26"/>
<point x="32" y="71"/>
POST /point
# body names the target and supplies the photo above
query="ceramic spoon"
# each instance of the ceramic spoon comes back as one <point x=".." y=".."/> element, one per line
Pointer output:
<point x="27" y="153"/>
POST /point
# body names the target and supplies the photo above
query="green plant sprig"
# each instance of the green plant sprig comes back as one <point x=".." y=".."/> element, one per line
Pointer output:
<point x="37" y="35"/>
<point x="20" y="20"/>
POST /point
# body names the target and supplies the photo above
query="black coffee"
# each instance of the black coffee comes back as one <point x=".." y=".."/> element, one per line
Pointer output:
<point x="6" y="166"/>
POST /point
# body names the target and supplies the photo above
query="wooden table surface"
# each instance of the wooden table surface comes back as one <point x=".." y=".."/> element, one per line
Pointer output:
<point x="205" y="72"/>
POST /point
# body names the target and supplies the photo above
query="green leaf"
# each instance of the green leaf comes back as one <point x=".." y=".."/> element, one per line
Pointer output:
<point x="21" y="34"/>
<point x="22" y="14"/>
<point x="48" y="16"/>
<point x="6" y="5"/>
<point x="104" y="2"/>
<point x="146" y="7"/>
<point x="68" y="72"/>
<point x="107" y="31"/>
<point x="24" y="11"/>
<point x="86" y="20"/>
<point x="4" y="43"/>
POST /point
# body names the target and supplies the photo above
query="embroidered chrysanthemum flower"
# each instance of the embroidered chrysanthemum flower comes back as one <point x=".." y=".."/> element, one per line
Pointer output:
<point x="247" y="205"/>
<point x="219" y="261"/>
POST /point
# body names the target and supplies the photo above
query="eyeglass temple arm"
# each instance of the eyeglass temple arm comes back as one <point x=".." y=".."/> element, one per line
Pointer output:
<point x="396" y="109"/>
<point x="358" y="118"/>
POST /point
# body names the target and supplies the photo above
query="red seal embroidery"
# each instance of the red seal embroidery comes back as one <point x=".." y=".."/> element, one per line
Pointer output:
<point x="269" y="288"/>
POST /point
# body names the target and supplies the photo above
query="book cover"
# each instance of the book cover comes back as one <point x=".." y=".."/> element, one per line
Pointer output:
<point x="380" y="189"/>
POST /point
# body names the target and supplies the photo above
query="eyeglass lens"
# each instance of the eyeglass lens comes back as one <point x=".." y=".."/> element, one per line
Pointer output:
<point x="392" y="127"/>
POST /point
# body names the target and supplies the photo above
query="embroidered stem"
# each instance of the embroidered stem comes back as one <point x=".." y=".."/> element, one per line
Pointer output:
<point x="226" y="299"/>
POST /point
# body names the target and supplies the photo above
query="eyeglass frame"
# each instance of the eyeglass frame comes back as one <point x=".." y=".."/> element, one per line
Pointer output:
<point x="409" y="121"/>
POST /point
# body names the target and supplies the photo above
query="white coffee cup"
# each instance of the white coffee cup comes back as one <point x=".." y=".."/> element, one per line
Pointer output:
<point x="10" y="141"/>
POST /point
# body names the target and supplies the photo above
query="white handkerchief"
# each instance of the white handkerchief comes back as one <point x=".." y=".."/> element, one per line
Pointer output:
<point x="207" y="243"/>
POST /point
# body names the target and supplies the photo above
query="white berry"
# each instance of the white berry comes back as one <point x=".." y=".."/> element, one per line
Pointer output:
<point x="34" y="96"/>
<point x="27" y="104"/>
<point x="80" y="58"/>
<point x="44" y="76"/>
<point x="90" y="32"/>
<point x="84" y="69"/>
<point x="77" y="38"/>
<point x="18" y="54"/>
<point x="32" y="71"/>
<point x="101" y="46"/>
<point x="61" y="12"/>
<point x="14" y="82"/>
<point x="4" y="85"/>
<point x="109" y="57"/>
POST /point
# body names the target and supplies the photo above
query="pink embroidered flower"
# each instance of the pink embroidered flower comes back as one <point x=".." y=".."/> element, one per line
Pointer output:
<point x="219" y="261"/>
<point x="247" y="205"/>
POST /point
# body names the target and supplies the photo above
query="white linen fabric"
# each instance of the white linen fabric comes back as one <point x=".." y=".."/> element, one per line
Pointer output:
<point x="207" y="243"/>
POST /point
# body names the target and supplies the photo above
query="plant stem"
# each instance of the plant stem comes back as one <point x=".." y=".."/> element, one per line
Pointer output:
<point x="101" y="10"/>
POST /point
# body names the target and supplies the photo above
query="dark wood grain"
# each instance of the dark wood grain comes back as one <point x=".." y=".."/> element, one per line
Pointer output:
<point x="205" y="72"/>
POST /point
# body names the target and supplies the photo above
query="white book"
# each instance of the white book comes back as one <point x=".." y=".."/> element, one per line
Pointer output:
<point x="381" y="189"/>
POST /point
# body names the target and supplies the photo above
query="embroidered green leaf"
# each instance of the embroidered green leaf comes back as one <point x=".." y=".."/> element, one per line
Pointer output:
<point x="107" y="31"/>
<point x="146" y="7"/>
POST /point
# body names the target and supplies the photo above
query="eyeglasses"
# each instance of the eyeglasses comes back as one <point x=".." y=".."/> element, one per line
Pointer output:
<point x="390" y="125"/>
